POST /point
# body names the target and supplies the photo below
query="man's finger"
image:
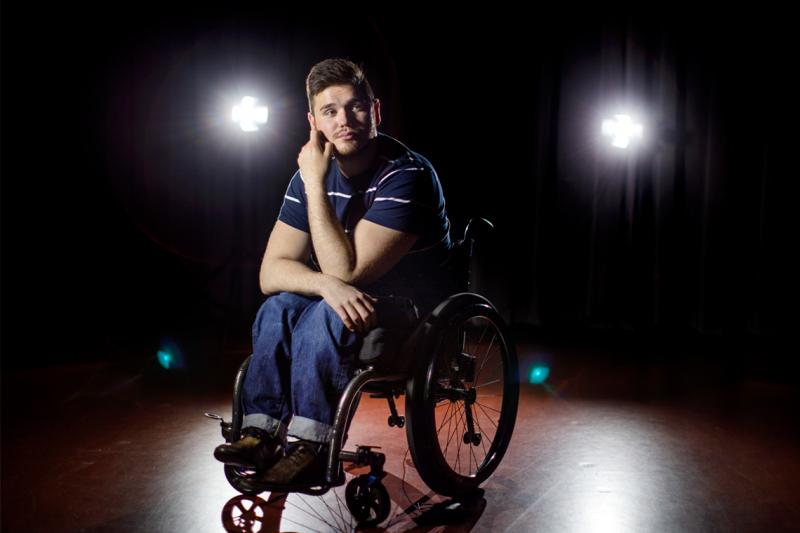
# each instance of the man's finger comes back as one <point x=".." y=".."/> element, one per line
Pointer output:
<point x="363" y="312"/>
<point x="354" y="318"/>
<point x="366" y="303"/>
<point x="342" y="312"/>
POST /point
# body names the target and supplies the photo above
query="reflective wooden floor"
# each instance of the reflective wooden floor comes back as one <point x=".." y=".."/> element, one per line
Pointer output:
<point x="608" y="444"/>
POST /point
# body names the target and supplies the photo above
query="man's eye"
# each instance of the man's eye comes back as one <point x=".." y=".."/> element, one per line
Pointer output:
<point x="329" y="112"/>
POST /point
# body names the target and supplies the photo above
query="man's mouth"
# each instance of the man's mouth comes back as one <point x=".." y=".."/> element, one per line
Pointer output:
<point x="347" y="136"/>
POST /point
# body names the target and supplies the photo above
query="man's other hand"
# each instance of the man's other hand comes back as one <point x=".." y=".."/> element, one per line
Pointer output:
<point x="314" y="159"/>
<point x="355" y="308"/>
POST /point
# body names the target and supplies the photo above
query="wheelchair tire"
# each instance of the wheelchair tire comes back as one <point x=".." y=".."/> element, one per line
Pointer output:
<point x="236" y="475"/>
<point x="368" y="500"/>
<point x="461" y="400"/>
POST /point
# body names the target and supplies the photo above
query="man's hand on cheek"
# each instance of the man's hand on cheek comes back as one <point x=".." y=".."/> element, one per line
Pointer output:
<point x="314" y="159"/>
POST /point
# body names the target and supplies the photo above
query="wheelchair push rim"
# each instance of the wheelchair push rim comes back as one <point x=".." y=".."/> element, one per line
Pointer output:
<point x="463" y="402"/>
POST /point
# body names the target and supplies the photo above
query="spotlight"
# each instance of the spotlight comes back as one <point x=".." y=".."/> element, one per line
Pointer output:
<point x="249" y="115"/>
<point x="622" y="129"/>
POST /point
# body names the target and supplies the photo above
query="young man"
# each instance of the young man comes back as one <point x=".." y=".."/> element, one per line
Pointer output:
<point x="363" y="219"/>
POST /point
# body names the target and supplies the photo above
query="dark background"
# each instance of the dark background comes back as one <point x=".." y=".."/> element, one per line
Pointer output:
<point x="135" y="214"/>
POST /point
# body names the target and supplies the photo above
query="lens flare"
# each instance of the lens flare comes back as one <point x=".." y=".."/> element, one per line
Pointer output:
<point x="169" y="355"/>
<point x="538" y="374"/>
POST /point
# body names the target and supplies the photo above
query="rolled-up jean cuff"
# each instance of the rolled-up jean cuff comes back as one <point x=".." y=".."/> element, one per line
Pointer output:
<point x="263" y="421"/>
<point x="308" y="429"/>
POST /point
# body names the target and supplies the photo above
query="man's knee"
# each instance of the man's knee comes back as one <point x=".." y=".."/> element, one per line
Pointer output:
<point x="278" y="309"/>
<point x="285" y="300"/>
<point x="328" y="325"/>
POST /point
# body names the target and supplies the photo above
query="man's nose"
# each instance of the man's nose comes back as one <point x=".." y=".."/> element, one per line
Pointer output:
<point x="343" y="117"/>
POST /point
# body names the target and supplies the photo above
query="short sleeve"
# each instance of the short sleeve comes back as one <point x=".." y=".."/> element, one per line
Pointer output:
<point x="405" y="200"/>
<point x="294" y="211"/>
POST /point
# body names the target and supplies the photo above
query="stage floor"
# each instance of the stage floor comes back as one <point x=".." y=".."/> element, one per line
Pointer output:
<point x="609" y="444"/>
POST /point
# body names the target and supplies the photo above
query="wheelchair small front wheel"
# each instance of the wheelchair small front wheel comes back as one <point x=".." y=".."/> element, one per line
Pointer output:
<point x="461" y="405"/>
<point x="368" y="500"/>
<point x="237" y="475"/>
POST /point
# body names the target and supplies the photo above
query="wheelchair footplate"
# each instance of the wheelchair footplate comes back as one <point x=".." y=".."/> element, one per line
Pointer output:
<point x="365" y="495"/>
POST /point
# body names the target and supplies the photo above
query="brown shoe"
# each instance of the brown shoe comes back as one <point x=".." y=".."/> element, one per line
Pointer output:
<point x="304" y="463"/>
<point x="257" y="449"/>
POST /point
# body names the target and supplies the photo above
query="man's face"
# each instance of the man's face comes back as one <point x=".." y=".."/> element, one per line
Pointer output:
<point x="347" y="119"/>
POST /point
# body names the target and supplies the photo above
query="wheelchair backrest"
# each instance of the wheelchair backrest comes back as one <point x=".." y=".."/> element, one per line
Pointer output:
<point x="461" y="254"/>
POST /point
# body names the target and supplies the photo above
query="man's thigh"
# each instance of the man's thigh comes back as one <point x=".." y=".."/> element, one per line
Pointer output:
<point x="282" y="310"/>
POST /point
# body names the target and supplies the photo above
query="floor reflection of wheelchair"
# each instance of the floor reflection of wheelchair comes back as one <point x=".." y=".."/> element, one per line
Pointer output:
<point x="461" y="383"/>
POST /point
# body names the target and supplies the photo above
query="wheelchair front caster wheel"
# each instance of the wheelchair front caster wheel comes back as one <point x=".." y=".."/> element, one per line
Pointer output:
<point x="368" y="500"/>
<point x="236" y="477"/>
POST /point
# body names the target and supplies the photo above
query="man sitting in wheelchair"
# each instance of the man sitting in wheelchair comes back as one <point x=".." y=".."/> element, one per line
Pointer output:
<point x="356" y="240"/>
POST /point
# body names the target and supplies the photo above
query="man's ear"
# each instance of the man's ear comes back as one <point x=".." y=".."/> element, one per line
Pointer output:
<point x="311" y="121"/>
<point x="376" y="108"/>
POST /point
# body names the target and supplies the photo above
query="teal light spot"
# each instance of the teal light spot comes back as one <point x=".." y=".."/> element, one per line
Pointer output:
<point x="165" y="359"/>
<point x="539" y="374"/>
<point x="170" y="355"/>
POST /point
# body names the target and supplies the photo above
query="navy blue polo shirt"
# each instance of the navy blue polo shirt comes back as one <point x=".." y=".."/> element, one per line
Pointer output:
<point x="402" y="192"/>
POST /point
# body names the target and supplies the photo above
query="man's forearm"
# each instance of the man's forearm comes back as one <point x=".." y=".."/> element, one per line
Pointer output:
<point x="334" y="251"/>
<point x="278" y="275"/>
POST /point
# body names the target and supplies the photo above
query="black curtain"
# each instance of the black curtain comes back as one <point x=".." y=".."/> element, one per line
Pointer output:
<point x="146" y="215"/>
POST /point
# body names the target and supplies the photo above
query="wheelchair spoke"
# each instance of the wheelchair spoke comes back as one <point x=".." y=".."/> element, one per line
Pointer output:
<point x="444" y="419"/>
<point x="483" y="441"/>
<point x="487" y="383"/>
<point x="487" y="407"/>
<point x="495" y="428"/>
<point x="314" y="513"/>
<point x="486" y="359"/>
<point x="481" y="339"/>
<point x="449" y="432"/>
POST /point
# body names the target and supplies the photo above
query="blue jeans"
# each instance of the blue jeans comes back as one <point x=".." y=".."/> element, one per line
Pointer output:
<point x="303" y="358"/>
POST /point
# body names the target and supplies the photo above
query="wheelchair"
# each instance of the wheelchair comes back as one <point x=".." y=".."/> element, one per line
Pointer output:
<point x="460" y="378"/>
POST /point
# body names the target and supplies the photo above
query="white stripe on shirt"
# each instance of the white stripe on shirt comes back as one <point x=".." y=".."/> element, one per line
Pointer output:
<point x="396" y="171"/>
<point x="389" y="198"/>
<point x="292" y="198"/>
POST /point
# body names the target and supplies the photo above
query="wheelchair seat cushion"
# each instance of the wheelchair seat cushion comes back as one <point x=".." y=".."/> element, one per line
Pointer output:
<point x="382" y="346"/>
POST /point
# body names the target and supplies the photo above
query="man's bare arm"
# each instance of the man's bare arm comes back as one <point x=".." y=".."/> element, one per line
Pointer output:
<point x="283" y="269"/>
<point x="374" y="251"/>
<point x="334" y="251"/>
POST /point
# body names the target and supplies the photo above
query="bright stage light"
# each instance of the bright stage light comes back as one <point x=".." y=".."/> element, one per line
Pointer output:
<point x="249" y="115"/>
<point x="622" y="129"/>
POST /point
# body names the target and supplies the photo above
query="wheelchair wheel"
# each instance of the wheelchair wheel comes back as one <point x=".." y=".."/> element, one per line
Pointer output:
<point x="236" y="475"/>
<point x="368" y="500"/>
<point x="461" y="402"/>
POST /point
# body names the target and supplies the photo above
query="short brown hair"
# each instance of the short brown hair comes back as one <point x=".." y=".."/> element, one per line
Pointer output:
<point x="336" y="72"/>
